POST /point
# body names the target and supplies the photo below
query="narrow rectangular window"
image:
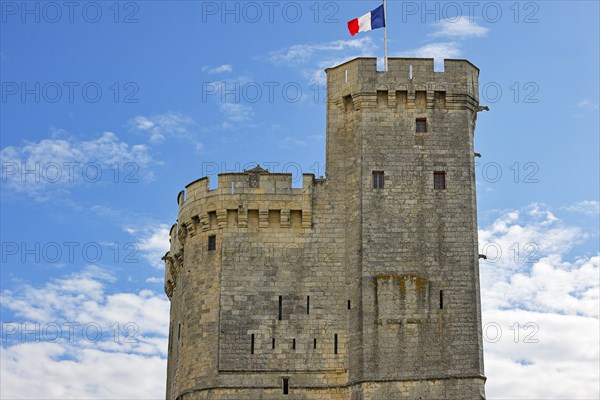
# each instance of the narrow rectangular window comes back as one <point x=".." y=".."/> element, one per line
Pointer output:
<point x="273" y="344"/>
<point x="421" y="125"/>
<point x="439" y="180"/>
<point x="349" y="305"/>
<point x="378" y="180"/>
<point x="307" y="304"/>
<point x="280" y="308"/>
<point x="252" y="344"/>
<point x="335" y="344"/>
<point x="286" y="386"/>
<point x="314" y="343"/>
<point x="293" y="344"/>
<point x="212" y="243"/>
<point x="441" y="299"/>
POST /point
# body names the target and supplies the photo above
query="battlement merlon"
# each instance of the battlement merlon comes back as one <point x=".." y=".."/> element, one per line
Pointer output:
<point x="360" y="76"/>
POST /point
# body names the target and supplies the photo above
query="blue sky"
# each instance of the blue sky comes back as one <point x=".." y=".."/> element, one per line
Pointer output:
<point x="114" y="107"/>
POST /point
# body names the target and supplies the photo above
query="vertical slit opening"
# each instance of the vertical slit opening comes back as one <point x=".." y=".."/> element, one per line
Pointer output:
<point x="252" y="344"/>
<point x="286" y="386"/>
<point x="307" y="305"/>
<point x="273" y="343"/>
<point x="441" y="299"/>
<point x="349" y="305"/>
<point x="280" y="308"/>
<point x="335" y="344"/>
<point x="314" y="343"/>
<point x="293" y="344"/>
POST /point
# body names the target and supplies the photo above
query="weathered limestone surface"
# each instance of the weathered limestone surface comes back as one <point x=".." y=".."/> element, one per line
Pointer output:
<point x="341" y="290"/>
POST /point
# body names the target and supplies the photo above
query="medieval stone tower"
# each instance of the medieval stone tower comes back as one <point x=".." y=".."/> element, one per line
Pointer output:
<point x="362" y="285"/>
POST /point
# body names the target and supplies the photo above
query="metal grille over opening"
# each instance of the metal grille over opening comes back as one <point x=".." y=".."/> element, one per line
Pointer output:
<point x="378" y="179"/>
<point x="439" y="180"/>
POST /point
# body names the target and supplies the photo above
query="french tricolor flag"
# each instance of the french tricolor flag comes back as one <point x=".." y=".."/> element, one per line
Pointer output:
<point x="373" y="20"/>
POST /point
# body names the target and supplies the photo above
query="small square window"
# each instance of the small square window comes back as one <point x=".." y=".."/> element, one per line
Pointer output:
<point x="378" y="179"/>
<point x="421" y="125"/>
<point x="439" y="180"/>
<point x="212" y="242"/>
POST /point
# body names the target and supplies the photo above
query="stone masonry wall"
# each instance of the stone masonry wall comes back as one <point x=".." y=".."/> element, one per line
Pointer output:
<point x="340" y="290"/>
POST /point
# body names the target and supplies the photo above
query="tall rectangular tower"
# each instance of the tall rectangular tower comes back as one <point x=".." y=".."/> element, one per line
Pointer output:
<point x="400" y="157"/>
<point x="360" y="286"/>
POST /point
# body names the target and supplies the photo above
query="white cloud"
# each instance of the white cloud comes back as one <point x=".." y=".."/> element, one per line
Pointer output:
<point x="322" y="55"/>
<point x="302" y="53"/>
<point x="233" y="106"/>
<point x="551" y="285"/>
<point x="108" y="147"/>
<point x="152" y="241"/>
<point x="543" y="303"/>
<point x="545" y="356"/>
<point x="461" y="28"/>
<point x="589" y="207"/>
<point x="446" y="29"/>
<point x="82" y="297"/>
<point x="225" y="68"/>
<point x="236" y="112"/>
<point x="526" y="266"/>
<point x="161" y="126"/>
<point x="587" y="105"/>
<point x="438" y="51"/>
<point x="53" y="371"/>
<point x="58" y="164"/>
<point x="127" y="342"/>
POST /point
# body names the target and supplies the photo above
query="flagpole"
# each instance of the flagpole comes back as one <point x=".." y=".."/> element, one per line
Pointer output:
<point x="385" y="51"/>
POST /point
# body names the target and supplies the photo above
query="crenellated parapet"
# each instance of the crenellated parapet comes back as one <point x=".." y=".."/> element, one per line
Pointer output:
<point x="409" y="83"/>
<point x="239" y="194"/>
<point x="255" y="200"/>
